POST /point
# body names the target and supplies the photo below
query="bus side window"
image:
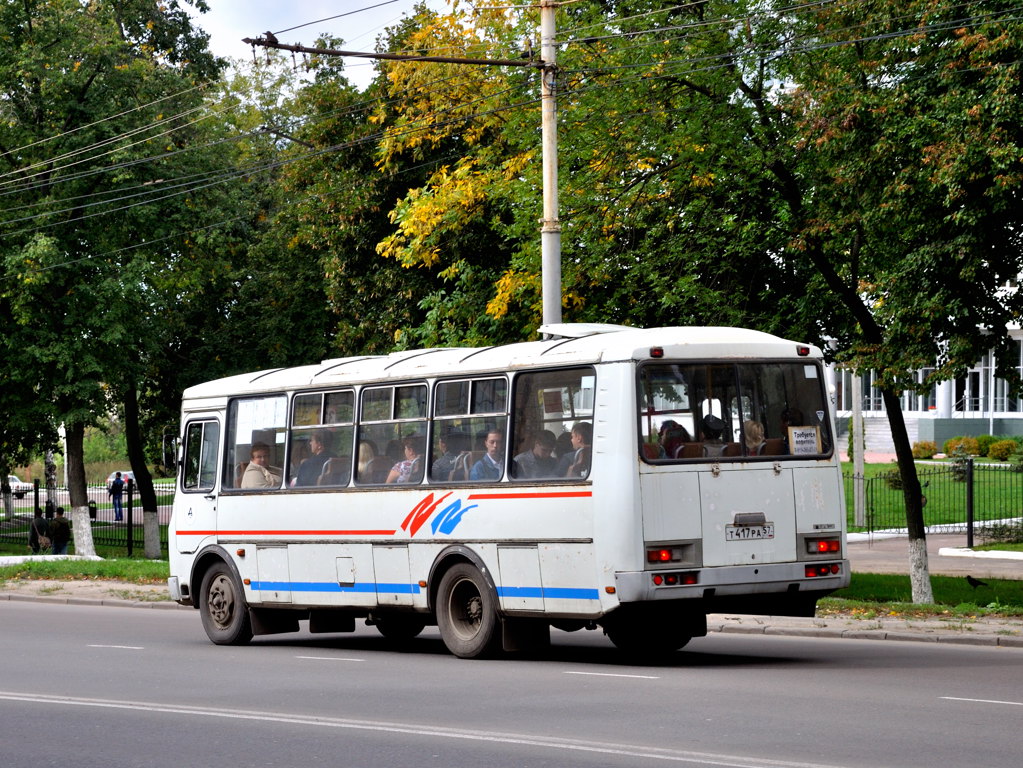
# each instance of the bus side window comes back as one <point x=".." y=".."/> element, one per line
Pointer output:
<point x="552" y="425"/>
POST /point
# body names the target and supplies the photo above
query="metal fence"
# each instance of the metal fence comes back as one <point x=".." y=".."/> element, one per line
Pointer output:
<point x="125" y="536"/>
<point x="984" y="501"/>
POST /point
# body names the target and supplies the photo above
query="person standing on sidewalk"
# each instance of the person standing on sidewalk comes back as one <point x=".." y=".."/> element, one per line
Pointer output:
<point x="38" y="530"/>
<point x="60" y="533"/>
<point x="114" y="492"/>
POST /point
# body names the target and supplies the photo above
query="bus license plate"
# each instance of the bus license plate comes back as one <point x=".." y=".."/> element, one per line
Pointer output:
<point x="746" y="532"/>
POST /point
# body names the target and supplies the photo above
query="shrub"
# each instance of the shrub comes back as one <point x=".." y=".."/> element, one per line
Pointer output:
<point x="984" y="443"/>
<point x="1002" y="450"/>
<point x="924" y="449"/>
<point x="964" y="445"/>
<point x="893" y="479"/>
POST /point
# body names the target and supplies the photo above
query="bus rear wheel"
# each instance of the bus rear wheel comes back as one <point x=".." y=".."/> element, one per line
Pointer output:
<point x="645" y="635"/>
<point x="400" y="628"/>
<point x="225" y="617"/>
<point x="467" y="613"/>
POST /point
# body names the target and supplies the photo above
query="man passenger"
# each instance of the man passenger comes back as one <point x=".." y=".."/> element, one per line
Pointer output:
<point x="491" y="466"/>
<point x="540" y="461"/>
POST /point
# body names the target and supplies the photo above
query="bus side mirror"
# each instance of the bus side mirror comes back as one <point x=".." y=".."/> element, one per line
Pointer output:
<point x="170" y="451"/>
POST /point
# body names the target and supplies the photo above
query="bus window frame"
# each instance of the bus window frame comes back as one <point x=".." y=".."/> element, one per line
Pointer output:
<point x="436" y="423"/>
<point x="736" y="364"/>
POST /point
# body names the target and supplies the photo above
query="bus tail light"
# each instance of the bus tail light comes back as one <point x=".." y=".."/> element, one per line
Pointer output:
<point x="823" y="546"/>
<point x="684" y="578"/>
<point x="823" y="569"/>
<point x="664" y="555"/>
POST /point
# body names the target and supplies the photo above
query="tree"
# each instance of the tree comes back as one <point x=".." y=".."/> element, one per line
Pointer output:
<point x="90" y="94"/>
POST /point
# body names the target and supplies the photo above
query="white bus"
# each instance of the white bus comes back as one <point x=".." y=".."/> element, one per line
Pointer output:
<point x="633" y="480"/>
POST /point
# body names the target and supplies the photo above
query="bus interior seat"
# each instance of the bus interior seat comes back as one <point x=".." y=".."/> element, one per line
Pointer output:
<point x="377" y="470"/>
<point x="239" y="473"/>
<point x="460" y="472"/>
<point x="336" y="471"/>
<point x="652" y="451"/>
<point x="732" y="449"/>
<point x="774" y="446"/>
<point x="689" y="451"/>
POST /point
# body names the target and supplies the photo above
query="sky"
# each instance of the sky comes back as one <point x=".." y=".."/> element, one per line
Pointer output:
<point x="228" y="21"/>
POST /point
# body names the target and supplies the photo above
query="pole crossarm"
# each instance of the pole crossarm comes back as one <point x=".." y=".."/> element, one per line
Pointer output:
<point x="266" y="43"/>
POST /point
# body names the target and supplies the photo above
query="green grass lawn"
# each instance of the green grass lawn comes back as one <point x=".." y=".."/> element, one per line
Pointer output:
<point x="884" y="594"/>
<point x="135" y="570"/>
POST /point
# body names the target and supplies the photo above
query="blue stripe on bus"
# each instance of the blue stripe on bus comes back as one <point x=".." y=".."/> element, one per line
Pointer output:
<point x="333" y="586"/>
<point x="561" y="593"/>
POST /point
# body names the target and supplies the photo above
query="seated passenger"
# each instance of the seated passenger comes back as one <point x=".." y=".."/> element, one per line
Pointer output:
<point x="671" y="436"/>
<point x="753" y="436"/>
<point x="453" y="446"/>
<point x="367" y="452"/>
<point x="258" y="474"/>
<point x="712" y="427"/>
<point x="410" y="469"/>
<point x="491" y="465"/>
<point x="538" y="462"/>
<point x="311" y="469"/>
<point x="576" y="463"/>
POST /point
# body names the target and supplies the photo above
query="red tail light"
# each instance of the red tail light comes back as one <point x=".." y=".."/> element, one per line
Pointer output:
<point x="823" y="546"/>
<point x="664" y="555"/>
<point x="822" y="569"/>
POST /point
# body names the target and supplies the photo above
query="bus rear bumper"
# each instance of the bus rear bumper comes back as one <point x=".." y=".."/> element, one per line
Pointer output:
<point x="721" y="586"/>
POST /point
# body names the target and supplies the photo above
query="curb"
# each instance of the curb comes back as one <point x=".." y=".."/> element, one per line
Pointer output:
<point x="111" y="602"/>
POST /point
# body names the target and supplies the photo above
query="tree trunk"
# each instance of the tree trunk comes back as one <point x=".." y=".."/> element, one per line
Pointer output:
<point x="919" y="574"/>
<point x="50" y="474"/>
<point x="143" y="480"/>
<point x="81" y="526"/>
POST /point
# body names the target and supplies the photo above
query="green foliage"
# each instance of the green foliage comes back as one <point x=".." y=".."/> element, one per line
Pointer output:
<point x="1002" y="450"/>
<point x="924" y="449"/>
<point x="984" y="443"/>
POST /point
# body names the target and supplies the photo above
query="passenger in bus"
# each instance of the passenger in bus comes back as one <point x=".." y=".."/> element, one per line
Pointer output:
<point x="753" y="436"/>
<point x="259" y="473"/>
<point x="790" y="417"/>
<point x="538" y="461"/>
<point x="367" y="452"/>
<point x="577" y="462"/>
<point x="563" y="445"/>
<point x="712" y="427"/>
<point x="311" y="468"/>
<point x="671" y="436"/>
<point x="452" y="464"/>
<point x="491" y="465"/>
<point x="410" y="469"/>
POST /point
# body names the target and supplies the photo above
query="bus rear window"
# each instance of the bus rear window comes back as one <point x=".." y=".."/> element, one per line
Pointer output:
<point x="718" y="411"/>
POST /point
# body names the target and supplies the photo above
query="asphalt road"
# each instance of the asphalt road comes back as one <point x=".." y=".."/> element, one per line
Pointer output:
<point x="101" y="686"/>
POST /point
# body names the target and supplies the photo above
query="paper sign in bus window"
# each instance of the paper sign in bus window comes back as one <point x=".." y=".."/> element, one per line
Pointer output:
<point x="804" y="440"/>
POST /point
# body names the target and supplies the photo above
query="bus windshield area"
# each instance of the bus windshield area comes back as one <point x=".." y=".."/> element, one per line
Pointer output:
<point x="719" y="411"/>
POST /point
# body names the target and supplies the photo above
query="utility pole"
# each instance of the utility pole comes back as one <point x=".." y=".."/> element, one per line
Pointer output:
<point x="550" y="225"/>
<point x="550" y="229"/>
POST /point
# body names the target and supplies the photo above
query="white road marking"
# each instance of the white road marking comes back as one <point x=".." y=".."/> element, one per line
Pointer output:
<point x="122" y="647"/>
<point x="984" y="701"/>
<point x="611" y="674"/>
<point x="326" y="658"/>
<point x="631" y="751"/>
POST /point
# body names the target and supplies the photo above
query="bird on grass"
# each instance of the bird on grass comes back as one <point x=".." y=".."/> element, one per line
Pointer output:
<point x="975" y="582"/>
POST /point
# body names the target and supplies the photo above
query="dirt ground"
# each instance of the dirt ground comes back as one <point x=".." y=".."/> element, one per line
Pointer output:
<point x="93" y="589"/>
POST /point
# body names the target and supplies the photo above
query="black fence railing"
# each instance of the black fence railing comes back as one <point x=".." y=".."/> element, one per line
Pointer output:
<point x="984" y="501"/>
<point x="124" y="534"/>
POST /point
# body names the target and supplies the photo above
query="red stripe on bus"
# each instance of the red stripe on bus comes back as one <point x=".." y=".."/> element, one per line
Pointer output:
<point x="285" y="533"/>
<point x="538" y="495"/>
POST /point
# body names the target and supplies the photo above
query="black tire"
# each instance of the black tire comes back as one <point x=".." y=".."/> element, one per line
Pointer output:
<point x="19" y="494"/>
<point x="400" y="628"/>
<point x="643" y="639"/>
<point x="467" y="613"/>
<point x="225" y="616"/>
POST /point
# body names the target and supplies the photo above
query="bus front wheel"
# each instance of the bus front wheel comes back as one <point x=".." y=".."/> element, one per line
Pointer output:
<point x="467" y="613"/>
<point x="225" y="617"/>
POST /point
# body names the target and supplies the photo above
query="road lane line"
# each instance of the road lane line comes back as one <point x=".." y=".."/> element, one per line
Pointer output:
<point x="983" y="701"/>
<point x="612" y="674"/>
<point x="122" y="647"/>
<point x="326" y="658"/>
<point x="631" y="751"/>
